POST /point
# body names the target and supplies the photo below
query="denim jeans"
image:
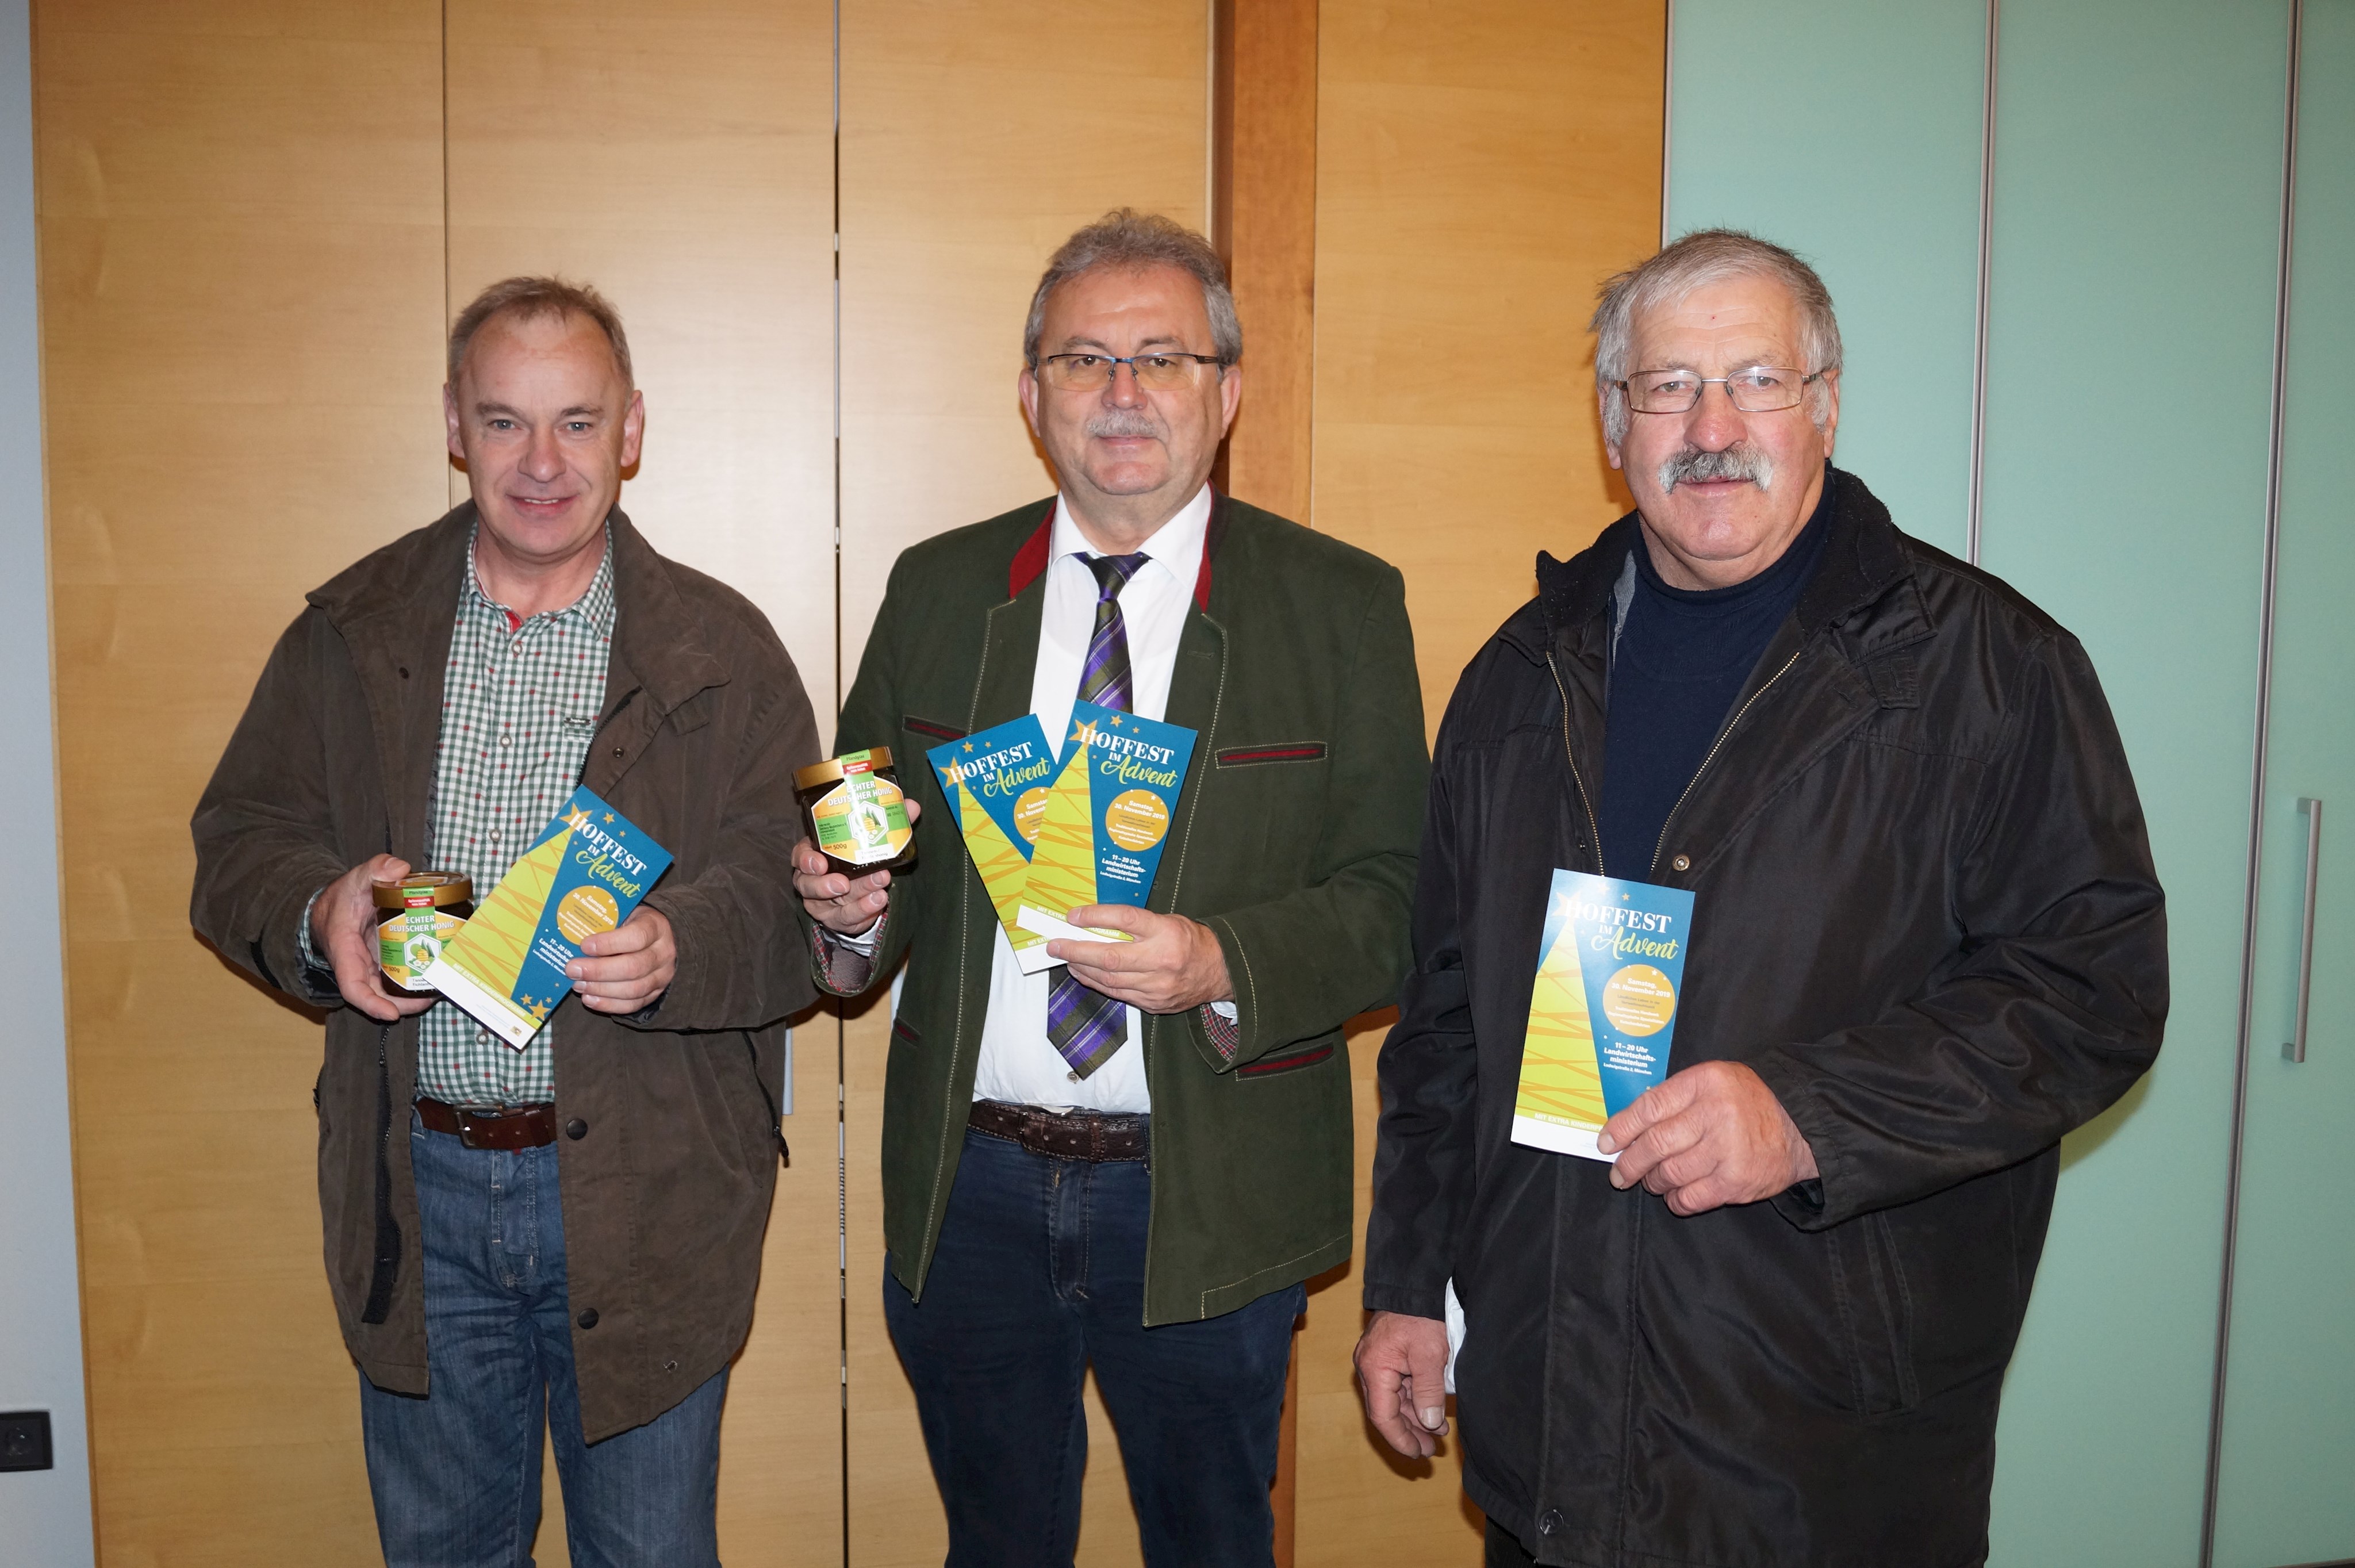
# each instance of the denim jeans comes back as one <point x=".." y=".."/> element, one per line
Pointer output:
<point x="1040" y="1272"/>
<point x="456" y="1475"/>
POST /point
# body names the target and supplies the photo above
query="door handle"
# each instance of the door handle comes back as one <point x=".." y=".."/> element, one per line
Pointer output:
<point x="2311" y="809"/>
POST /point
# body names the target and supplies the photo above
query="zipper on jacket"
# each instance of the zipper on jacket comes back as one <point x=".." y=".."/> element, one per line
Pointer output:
<point x="1715" y="747"/>
<point x="1572" y="758"/>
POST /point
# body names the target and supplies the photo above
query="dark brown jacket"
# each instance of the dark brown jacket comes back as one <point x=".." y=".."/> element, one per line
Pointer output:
<point x="667" y="1182"/>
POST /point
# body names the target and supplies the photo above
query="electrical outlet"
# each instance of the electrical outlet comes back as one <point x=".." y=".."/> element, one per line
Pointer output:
<point x="24" y="1440"/>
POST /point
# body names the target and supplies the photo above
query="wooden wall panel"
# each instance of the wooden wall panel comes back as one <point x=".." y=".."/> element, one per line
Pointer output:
<point x="975" y="139"/>
<point x="1482" y="165"/>
<point x="684" y="166"/>
<point x="241" y="300"/>
<point x="1481" y="168"/>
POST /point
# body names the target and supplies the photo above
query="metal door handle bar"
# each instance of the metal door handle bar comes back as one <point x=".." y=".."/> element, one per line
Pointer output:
<point x="2311" y="809"/>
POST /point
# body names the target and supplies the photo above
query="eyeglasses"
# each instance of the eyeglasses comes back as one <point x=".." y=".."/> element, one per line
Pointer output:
<point x="1759" y="389"/>
<point x="1154" y="372"/>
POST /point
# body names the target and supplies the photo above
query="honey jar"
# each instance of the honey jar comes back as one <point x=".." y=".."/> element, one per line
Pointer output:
<point x="426" y="910"/>
<point x="854" y="810"/>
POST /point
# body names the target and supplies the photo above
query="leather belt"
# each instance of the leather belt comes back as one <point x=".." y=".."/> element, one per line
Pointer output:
<point x="1070" y="1135"/>
<point x="518" y="1127"/>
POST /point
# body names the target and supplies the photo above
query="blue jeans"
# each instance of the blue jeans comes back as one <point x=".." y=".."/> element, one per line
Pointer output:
<point x="456" y="1475"/>
<point x="1039" y="1271"/>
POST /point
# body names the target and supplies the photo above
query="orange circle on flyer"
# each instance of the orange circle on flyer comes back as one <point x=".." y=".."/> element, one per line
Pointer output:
<point x="1030" y="811"/>
<point x="584" y="912"/>
<point x="1136" y="819"/>
<point x="1638" y="1001"/>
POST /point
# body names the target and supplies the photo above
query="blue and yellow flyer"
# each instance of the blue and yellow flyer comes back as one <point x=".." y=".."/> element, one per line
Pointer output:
<point x="1107" y="817"/>
<point x="1611" y="963"/>
<point x="585" y="874"/>
<point x="996" y="781"/>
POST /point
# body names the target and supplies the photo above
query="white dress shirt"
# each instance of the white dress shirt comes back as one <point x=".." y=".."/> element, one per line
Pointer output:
<point x="1019" y="1063"/>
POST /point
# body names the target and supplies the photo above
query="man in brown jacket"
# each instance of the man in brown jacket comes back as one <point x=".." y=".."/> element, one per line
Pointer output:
<point x="570" y="1231"/>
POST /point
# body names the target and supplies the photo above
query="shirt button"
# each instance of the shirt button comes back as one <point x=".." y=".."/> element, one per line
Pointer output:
<point x="482" y="1037"/>
<point x="507" y="739"/>
<point x="1681" y="863"/>
<point x="1072" y="1075"/>
<point x="1547" y="1524"/>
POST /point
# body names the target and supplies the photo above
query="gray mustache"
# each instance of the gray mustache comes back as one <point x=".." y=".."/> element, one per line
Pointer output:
<point x="1740" y="461"/>
<point x="1124" y="422"/>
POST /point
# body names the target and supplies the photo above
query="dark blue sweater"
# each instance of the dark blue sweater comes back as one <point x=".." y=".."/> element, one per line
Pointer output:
<point x="1682" y="657"/>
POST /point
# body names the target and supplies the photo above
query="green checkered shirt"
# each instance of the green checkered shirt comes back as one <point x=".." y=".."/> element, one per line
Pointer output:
<point x="518" y="707"/>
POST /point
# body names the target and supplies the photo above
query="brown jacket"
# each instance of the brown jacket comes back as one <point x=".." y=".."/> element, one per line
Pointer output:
<point x="666" y="1185"/>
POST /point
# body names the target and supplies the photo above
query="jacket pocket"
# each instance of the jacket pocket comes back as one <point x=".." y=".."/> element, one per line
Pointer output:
<point x="1876" y="1311"/>
<point x="1288" y="1062"/>
<point x="932" y="727"/>
<point x="1282" y="752"/>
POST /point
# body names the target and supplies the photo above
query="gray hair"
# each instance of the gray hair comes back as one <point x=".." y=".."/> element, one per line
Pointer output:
<point x="1132" y="240"/>
<point x="1702" y="258"/>
<point x="527" y="298"/>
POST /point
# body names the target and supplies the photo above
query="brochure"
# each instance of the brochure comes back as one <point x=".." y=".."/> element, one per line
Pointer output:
<point x="1611" y="964"/>
<point x="996" y="781"/>
<point x="1106" y="820"/>
<point x="585" y="874"/>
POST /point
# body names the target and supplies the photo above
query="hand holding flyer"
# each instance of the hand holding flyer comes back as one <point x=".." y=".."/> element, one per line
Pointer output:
<point x="585" y="874"/>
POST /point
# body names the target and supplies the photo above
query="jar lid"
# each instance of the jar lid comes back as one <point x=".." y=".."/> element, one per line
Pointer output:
<point x="833" y="768"/>
<point x="425" y="889"/>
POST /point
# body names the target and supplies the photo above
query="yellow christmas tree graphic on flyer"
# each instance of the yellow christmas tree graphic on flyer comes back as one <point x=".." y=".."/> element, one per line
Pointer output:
<point x="996" y="780"/>
<point x="1560" y="1083"/>
<point x="1062" y="875"/>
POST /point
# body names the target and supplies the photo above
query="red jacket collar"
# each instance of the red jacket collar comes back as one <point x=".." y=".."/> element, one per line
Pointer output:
<point x="1030" y="562"/>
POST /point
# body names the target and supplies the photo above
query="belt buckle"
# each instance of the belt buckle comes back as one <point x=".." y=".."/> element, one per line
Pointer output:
<point x="470" y="1122"/>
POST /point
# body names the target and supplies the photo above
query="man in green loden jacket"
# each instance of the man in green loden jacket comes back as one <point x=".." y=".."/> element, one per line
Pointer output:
<point x="1133" y="1160"/>
<point x="567" y="1236"/>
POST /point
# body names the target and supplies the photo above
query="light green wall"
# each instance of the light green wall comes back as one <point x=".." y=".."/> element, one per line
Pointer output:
<point x="2137" y="193"/>
<point x="2137" y="177"/>
<point x="1848" y="130"/>
<point x="2288" y="1479"/>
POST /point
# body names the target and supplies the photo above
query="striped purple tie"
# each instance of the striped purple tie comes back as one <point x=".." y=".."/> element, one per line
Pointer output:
<point x="1086" y="1026"/>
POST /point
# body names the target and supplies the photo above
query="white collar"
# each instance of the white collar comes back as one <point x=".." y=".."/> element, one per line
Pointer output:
<point x="1172" y="544"/>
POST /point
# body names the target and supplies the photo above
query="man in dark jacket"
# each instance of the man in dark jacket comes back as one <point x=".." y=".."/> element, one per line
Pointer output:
<point x="1135" y="1161"/>
<point x="567" y="1235"/>
<point x="1927" y="940"/>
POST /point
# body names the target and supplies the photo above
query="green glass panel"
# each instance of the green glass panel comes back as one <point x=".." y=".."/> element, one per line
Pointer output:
<point x="2136" y="214"/>
<point x="1874" y="179"/>
<point x="2287" y="1491"/>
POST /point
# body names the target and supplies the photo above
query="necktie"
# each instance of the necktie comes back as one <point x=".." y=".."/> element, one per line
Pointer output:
<point x="1087" y="1026"/>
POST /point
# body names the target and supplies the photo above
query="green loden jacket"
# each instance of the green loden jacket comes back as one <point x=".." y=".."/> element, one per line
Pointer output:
<point x="1295" y="840"/>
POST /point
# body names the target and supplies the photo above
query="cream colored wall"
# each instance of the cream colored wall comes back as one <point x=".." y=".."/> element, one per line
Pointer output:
<point x="242" y="295"/>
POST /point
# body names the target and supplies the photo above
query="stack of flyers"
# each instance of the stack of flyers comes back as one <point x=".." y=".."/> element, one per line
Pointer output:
<point x="583" y="874"/>
<point x="995" y="782"/>
<point x="1107" y="817"/>
<point x="1610" y="964"/>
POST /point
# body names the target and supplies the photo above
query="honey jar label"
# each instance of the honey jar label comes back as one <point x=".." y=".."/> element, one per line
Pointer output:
<point x="995" y="782"/>
<point x="863" y="819"/>
<point x="585" y="874"/>
<point x="1106" y="820"/>
<point x="411" y="943"/>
